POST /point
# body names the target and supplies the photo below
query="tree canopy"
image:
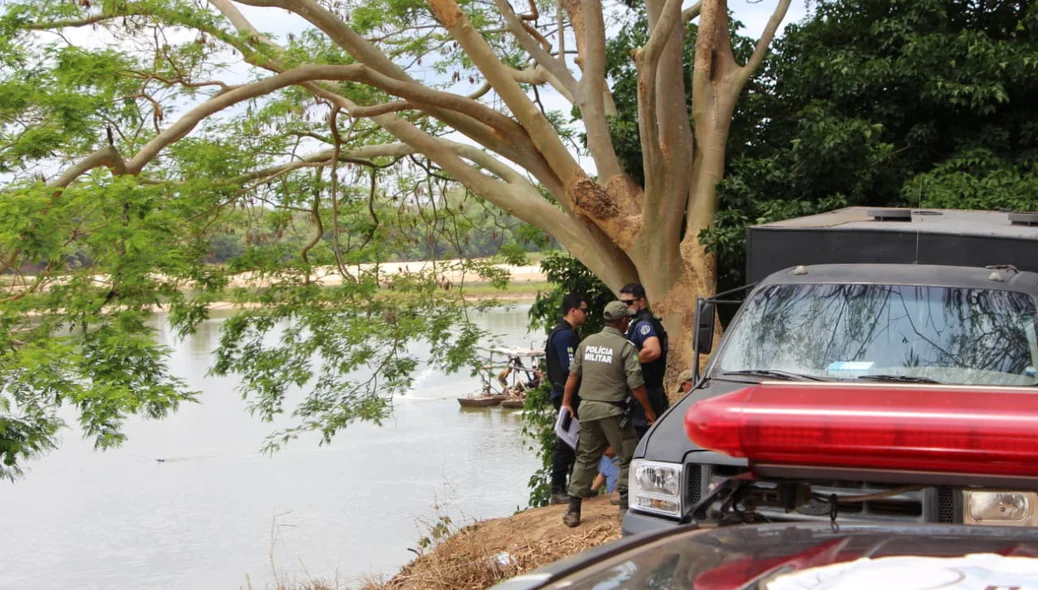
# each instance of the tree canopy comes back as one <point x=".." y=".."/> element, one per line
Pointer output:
<point x="136" y="135"/>
<point x="144" y="141"/>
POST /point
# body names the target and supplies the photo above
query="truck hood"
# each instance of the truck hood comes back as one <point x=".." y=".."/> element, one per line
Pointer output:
<point x="666" y="440"/>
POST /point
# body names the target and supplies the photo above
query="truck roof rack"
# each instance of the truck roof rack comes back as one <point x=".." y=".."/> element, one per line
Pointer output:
<point x="862" y="235"/>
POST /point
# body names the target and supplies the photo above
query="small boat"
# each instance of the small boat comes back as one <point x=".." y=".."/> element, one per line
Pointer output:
<point x="506" y="382"/>
<point x="482" y="401"/>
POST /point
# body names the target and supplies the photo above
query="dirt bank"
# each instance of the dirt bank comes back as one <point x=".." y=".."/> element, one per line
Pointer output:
<point x="487" y="552"/>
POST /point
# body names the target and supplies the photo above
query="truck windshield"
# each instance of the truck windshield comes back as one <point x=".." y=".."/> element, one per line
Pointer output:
<point x="878" y="332"/>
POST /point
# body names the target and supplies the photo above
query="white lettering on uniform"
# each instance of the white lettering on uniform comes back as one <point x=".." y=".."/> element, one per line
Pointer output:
<point x="598" y="354"/>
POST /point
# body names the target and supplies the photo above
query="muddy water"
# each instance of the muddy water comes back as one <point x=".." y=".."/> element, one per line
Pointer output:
<point x="215" y="513"/>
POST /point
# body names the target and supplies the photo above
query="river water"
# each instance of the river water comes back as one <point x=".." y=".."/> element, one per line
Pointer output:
<point x="218" y="514"/>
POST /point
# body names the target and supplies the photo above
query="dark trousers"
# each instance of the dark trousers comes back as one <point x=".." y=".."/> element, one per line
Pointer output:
<point x="658" y="401"/>
<point x="563" y="458"/>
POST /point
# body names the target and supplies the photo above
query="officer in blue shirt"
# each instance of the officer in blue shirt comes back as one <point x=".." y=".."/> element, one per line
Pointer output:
<point x="647" y="333"/>
<point x="562" y="343"/>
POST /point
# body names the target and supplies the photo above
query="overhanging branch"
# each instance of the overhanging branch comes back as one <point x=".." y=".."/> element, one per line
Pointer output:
<point x="107" y="156"/>
<point x="354" y="72"/>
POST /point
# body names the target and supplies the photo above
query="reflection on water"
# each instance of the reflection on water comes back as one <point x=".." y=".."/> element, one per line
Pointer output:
<point x="204" y="516"/>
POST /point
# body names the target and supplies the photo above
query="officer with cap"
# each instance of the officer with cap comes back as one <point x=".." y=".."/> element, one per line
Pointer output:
<point x="605" y="367"/>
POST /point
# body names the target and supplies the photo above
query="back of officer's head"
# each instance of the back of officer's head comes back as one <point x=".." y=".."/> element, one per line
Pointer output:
<point x="615" y="313"/>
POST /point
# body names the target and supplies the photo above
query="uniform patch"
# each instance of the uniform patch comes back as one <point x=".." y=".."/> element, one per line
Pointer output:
<point x="645" y="329"/>
<point x="598" y="354"/>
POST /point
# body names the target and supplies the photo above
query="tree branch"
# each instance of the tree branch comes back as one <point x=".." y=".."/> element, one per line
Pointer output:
<point x="554" y="66"/>
<point x="179" y="81"/>
<point x="765" y="41"/>
<point x="702" y="72"/>
<point x="593" y="91"/>
<point x="333" y="124"/>
<point x="662" y="31"/>
<point x="315" y="216"/>
<point x="524" y="154"/>
<point x="662" y="75"/>
<point x="362" y="155"/>
<point x="354" y="72"/>
<point x="106" y="156"/>
<point x="575" y="10"/>
<point x="522" y="151"/>
<point x="691" y="12"/>
<point x="541" y="133"/>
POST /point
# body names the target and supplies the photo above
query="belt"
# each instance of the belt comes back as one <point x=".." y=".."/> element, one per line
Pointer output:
<point x="619" y="404"/>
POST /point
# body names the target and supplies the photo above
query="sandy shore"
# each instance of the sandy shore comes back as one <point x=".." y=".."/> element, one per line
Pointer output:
<point x="444" y="270"/>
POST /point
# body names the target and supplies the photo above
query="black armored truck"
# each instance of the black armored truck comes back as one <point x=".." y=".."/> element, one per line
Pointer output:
<point x="866" y="348"/>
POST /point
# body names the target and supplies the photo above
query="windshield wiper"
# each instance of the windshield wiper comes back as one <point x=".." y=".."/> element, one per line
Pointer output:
<point x="896" y="379"/>
<point x="774" y="373"/>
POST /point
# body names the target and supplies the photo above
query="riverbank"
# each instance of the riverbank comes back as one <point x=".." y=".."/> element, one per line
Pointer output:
<point x="487" y="552"/>
<point x="525" y="293"/>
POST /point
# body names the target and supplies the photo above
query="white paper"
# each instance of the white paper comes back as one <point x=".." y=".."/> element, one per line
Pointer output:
<point x="568" y="436"/>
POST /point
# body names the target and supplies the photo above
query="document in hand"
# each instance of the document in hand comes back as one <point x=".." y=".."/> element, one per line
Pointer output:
<point x="567" y="427"/>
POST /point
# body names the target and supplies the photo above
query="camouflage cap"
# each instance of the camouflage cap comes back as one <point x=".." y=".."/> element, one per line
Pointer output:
<point x="615" y="310"/>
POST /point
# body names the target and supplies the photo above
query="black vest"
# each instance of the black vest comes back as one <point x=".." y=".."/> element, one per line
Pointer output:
<point x="652" y="372"/>
<point x="556" y="376"/>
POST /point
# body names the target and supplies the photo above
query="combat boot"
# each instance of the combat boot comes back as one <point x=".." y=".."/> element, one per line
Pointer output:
<point x="572" y="516"/>
<point x="623" y="505"/>
<point x="558" y="496"/>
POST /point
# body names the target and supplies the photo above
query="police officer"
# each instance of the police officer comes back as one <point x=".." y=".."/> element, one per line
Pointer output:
<point x="648" y="335"/>
<point x="562" y="344"/>
<point x="604" y="369"/>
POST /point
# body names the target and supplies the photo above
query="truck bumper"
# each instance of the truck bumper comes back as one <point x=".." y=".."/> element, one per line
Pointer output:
<point x="635" y="523"/>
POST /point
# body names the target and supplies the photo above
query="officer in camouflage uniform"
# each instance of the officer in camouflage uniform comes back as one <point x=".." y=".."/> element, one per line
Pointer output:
<point x="604" y="369"/>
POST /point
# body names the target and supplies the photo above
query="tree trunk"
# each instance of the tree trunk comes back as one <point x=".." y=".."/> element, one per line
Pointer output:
<point x="675" y="272"/>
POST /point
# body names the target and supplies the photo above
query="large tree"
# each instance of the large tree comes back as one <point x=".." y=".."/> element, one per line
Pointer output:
<point x="131" y="129"/>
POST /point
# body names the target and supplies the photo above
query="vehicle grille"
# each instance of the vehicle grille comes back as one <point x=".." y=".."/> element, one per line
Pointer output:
<point x="905" y="506"/>
<point x="694" y="487"/>
<point x="947" y="507"/>
<point x="927" y="505"/>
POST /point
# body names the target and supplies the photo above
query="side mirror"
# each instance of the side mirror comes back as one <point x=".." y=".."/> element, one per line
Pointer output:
<point x="706" y="311"/>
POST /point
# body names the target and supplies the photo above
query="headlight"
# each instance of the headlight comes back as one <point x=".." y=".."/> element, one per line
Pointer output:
<point x="1000" y="508"/>
<point x="655" y="487"/>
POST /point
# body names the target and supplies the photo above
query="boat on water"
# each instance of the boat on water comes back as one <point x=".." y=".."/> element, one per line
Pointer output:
<point x="506" y="378"/>
<point x="481" y="401"/>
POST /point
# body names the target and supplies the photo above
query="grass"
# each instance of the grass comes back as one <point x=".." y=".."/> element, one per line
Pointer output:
<point x="513" y="289"/>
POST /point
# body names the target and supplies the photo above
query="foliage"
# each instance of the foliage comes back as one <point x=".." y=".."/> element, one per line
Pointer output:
<point x="566" y="275"/>
<point x="83" y="264"/>
<point x="873" y="102"/>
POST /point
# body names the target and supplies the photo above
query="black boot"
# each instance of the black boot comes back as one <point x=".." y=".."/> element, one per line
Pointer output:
<point x="623" y="505"/>
<point x="558" y="496"/>
<point x="572" y="516"/>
